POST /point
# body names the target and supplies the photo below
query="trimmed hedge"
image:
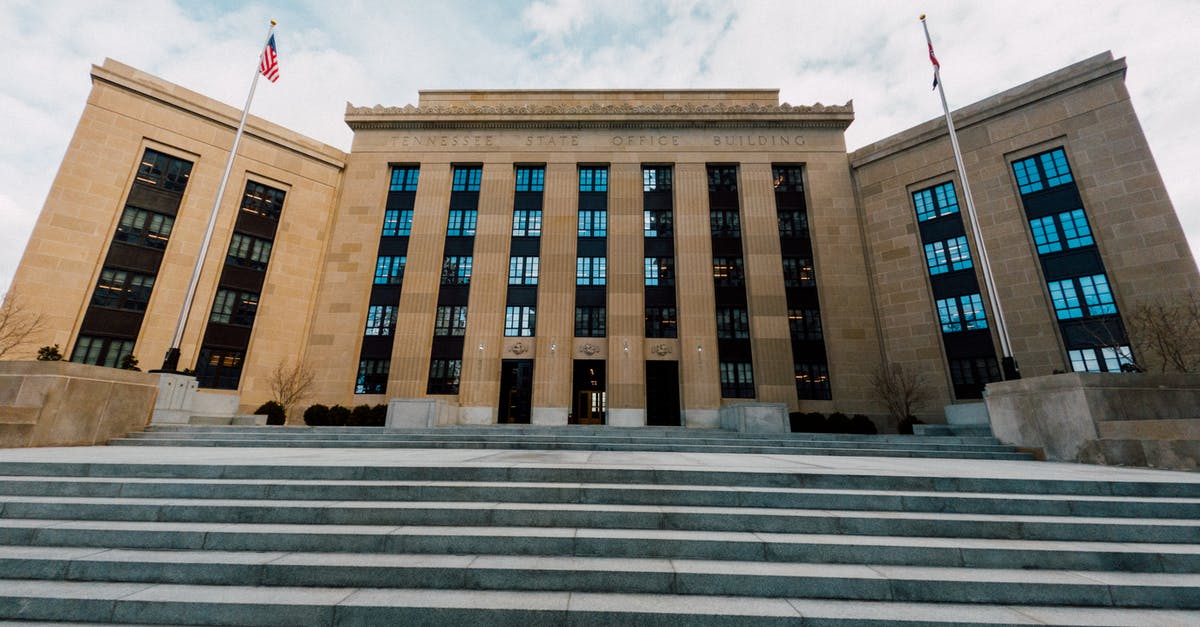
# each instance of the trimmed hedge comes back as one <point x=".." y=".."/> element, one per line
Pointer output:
<point x="274" y="412"/>
<point x="338" y="416"/>
<point x="837" y="422"/>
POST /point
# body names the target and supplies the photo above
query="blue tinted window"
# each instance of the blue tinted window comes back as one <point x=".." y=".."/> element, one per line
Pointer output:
<point x="1042" y="171"/>
<point x="467" y="179"/>
<point x="593" y="179"/>
<point x="1045" y="235"/>
<point x="404" y="179"/>
<point x="935" y="258"/>
<point x="1097" y="295"/>
<point x="935" y="202"/>
<point x="397" y="222"/>
<point x="972" y="312"/>
<point x="1055" y="165"/>
<point x="593" y="223"/>
<point x="389" y="270"/>
<point x="531" y="179"/>
<point x="1065" y="299"/>
<point x="1075" y="228"/>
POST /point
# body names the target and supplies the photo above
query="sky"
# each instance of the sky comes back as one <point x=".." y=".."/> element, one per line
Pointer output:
<point x="383" y="52"/>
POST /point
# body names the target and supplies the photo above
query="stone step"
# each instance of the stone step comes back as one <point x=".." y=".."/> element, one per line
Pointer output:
<point x="612" y="543"/>
<point x="606" y="516"/>
<point x="139" y="603"/>
<point x="611" y="493"/>
<point x="966" y="430"/>
<point x="922" y="584"/>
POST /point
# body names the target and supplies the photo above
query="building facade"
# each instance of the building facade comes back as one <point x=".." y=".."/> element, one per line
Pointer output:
<point x="621" y="257"/>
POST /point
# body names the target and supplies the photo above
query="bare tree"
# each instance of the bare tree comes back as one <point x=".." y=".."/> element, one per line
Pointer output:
<point x="903" y="391"/>
<point x="291" y="384"/>
<point x="18" y="325"/>
<point x="1166" y="333"/>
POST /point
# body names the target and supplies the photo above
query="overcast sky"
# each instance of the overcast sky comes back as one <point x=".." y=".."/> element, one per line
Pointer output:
<point x="383" y="52"/>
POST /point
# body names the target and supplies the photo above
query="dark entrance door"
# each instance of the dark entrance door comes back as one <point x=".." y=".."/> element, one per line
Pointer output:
<point x="590" y="402"/>
<point x="662" y="393"/>
<point x="516" y="390"/>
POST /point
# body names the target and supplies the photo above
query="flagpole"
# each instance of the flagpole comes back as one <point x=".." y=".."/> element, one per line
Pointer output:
<point x="1010" y="369"/>
<point x="171" y="360"/>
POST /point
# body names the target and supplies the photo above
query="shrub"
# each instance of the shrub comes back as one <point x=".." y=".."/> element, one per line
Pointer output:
<point x="379" y="415"/>
<point x="810" y="422"/>
<point x="906" y="426"/>
<point x="339" y="416"/>
<point x="360" y="416"/>
<point x="838" y="423"/>
<point x="274" y="412"/>
<point x="129" y="362"/>
<point x="862" y="424"/>
<point x="317" y="415"/>
<point x="49" y="353"/>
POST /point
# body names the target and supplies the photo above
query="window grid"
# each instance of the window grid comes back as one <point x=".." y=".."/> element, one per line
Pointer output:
<point x="1101" y="359"/>
<point x="1043" y="171"/>
<point x="527" y="223"/>
<point x="805" y="324"/>
<point x="219" y="368"/>
<point x="450" y="321"/>
<point x="248" y="252"/>
<point x="948" y="255"/>
<point x="593" y="223"/>
<point x="523" y="270"/>
<point x="798" y="272"/>
<point x="591" y="270"/>
<point x="589" y="322"/>
<point x="389" y="270"/>
<point x="234" y="307"/>
<point x="725" y="223"/>
<point x="531" y="179"/>
<point x="520" y="321"/>
<point x="728" y="272"/>
<point x="661" y="322"/>
<point x="144" y="228"/>
<point x="964" y="313"/>
<point x="935" y="202"/>
<point x="974" y="371"/>
<point x="660" y="271"/>
<point x="793" y="223"/>
<point x="163" y="171"/>
<point x="658" y="223"/>
<point x="656" y="179"/>
<point x="461" y="223"/>
<point x="456" y="271"/>
<point x="397" y="222"/>
<point x="593" y="179"/>
<point x="101" y="351"/>
<point x="444" y="376"/>
<point x="404" y="179"/>
<point x="733" y="323"/>
<point x="812" y="381"/>
<point x="788" y="178"/>
<point x="737" y="380"/>
<point x="1050" y="232"/>
<point x="262" y="200"/>
<point x="372" y="376"/>
<point x="722" y="179"/>
<point x="381" y="320"/>
<point x="466" y="179"/>
<point x="120" y="289"/>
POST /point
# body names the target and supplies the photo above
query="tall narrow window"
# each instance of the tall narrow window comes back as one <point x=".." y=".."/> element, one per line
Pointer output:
<point x="964" y="313"/>
<point x="372" y="376"/>
<point x="589" y="322"/>
<point x="466" y="179"/>
<point x="389" y="270"/>
<point x="530" y="179"/>
<point x="263" y="201"/>
<point x="725" y="223"/>
<point x="590" y="270"/>
<point x="728" y="271"/>
<point x="144" y="228"/>
<point x="456" y="271"/>
<point x="381" y="320"/>
<point x="658" y="223"/>
<point x="461" y="223"/>
<point x="661" y="322"/>
<point x="520" y="321"/>
<point x="527" y="223"/>
<point x="163" y="171"/>
<point x="722" y="179"/>
<point x="397" y="222"/>
<point x="797" y="272"/>
<point x="404" y="179"/>
<point x="737" y="380"/>
<point x="248" y="252"/>
<point x="451" y="320"/>
<point x="593" y="223"/>
<point x="593" y="179"/>
<point x="935" y="202"/>
<point x="444" y="376"/>
<point x="656" y="179"/>
<point x="121" y="289"/>
<point x="522" y="270"/>
<point x="733" y="323"/>
<point x="659" y="271"/>
<point x="234" y="307"/>
<point x="1039" y="172"/>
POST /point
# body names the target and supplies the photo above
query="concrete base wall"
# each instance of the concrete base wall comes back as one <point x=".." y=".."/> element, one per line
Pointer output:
<point x="1071" y="417"/>
<point x="626" y="418"/>
<point x="756" y="418"/>
<point x="408" y="413"/>
<point x="59" y="403"/>
<point x="701" y="418"/>
<point x="548" y="416"/>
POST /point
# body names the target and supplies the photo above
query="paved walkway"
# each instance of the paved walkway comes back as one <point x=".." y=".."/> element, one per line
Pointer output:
<point x="716" y="462"/>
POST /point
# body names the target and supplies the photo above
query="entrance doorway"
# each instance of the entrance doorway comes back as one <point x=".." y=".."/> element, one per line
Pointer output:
<point x="590" y="402"/>
<point x="516" y="391"/>
<point x="662" y="393"/>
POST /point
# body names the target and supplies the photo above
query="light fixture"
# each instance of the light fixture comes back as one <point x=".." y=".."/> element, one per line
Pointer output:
<point x="481" y="346"/>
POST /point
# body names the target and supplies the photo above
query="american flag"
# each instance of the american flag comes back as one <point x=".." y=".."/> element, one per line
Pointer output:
<point x="932" y="59"/>
<point x="270" y="61"/>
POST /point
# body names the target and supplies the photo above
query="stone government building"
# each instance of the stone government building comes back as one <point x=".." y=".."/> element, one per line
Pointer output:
<point x="624" y="257"/>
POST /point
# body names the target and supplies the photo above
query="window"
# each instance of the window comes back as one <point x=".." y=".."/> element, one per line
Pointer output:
<point x="935" y="202"/>
<point x="798" y="272"/>
<point x="733" y="323"/>
<point x="977" y="371"/>
<point x="725" y="223"/>
<point x="531" y="179"/>
<point x="443" y="376"/>
<point x="163" y="171"/>
<point x="1071" y="227"/>
<point x="461" y="223"/>
<point x="728" y="272"/>
<point x="397" y="222"/>
<point x="737" y="380"/>
<point x="389" y="270"/>
<point x="593" y="223"/>
<point x="1102" y="359"/>
<point x="812" y="381"/>
<point x="788" y="178"/>
<point x="404" y="179"/>
<point x="520" y="321"/>
<point x="219" y="368"/>
<point x="658" y="223"/>
<point x="661" y="322"/>
<point x="234" y="307"/>
<point x="1097" y="297"/>
<point x="522" y="270"/>
<point x="381" y="320"/>
<point x="1043" y="171"/>
<point x="144" y="228"/>
<point x="590" y="270"/>
<point x="451" y="321"/>
<point x="248" y="252"/>
<point x="656" y="179"/>
<point x="121" y="289"/>
<point x="589" y="322"/>
<point x="948" y="255"/>
<point x="372" y="376"/>
<point x="660" y="271"/>
<point x="456" y="271"/>
<point x="593" y="179"/>
<point x="964" y="313"/>
<point x="793" y="223"/>
<point x="262" y="200"/>
<point x="805" y="324"/>
<point x="527" y="223"/>
<point x="466" y="179"/>
<point x="101" y="351"/>
<point x="722" y="179"/>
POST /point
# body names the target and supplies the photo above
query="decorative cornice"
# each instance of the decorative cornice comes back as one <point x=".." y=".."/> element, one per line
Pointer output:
<point x="598" y="109"/>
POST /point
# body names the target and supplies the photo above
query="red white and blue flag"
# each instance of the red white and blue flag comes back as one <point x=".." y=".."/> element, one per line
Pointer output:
<point x="932" y="59"/>
<point x="270" y="61"/>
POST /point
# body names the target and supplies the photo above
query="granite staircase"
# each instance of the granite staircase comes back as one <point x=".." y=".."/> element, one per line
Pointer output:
<point x="288" y="535"/>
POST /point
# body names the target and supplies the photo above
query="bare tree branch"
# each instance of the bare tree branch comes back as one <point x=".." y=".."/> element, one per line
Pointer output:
<point x="1166" y="333"/>
<point x="291" y="384"/>
<point x="902" y="391"/>
<point x="18" y="325"/>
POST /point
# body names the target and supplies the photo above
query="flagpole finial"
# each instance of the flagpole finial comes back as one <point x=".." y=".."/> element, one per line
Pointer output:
<point x="273" y="22"/>
<point x="922" y="17"/>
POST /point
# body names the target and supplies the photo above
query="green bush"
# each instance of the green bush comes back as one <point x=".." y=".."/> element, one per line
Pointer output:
<point x="274" y="412"/>
<point x="838" y="423"/>
<point x="49" y="353"/>
<point x="906" y="426"/>
<point x="810" y="422"/>
<point x="379" y="415"/>
<point x="862" y="424"/>
<point x="317" y="415"/>
<point x="129" y="362"/>
<point x="339" y="416"/>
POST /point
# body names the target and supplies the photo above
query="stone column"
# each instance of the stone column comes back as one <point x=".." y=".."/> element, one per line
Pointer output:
<point x="626" y="298"/>
<point x="556" y="296"/>
<point x="699" y="377"/>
